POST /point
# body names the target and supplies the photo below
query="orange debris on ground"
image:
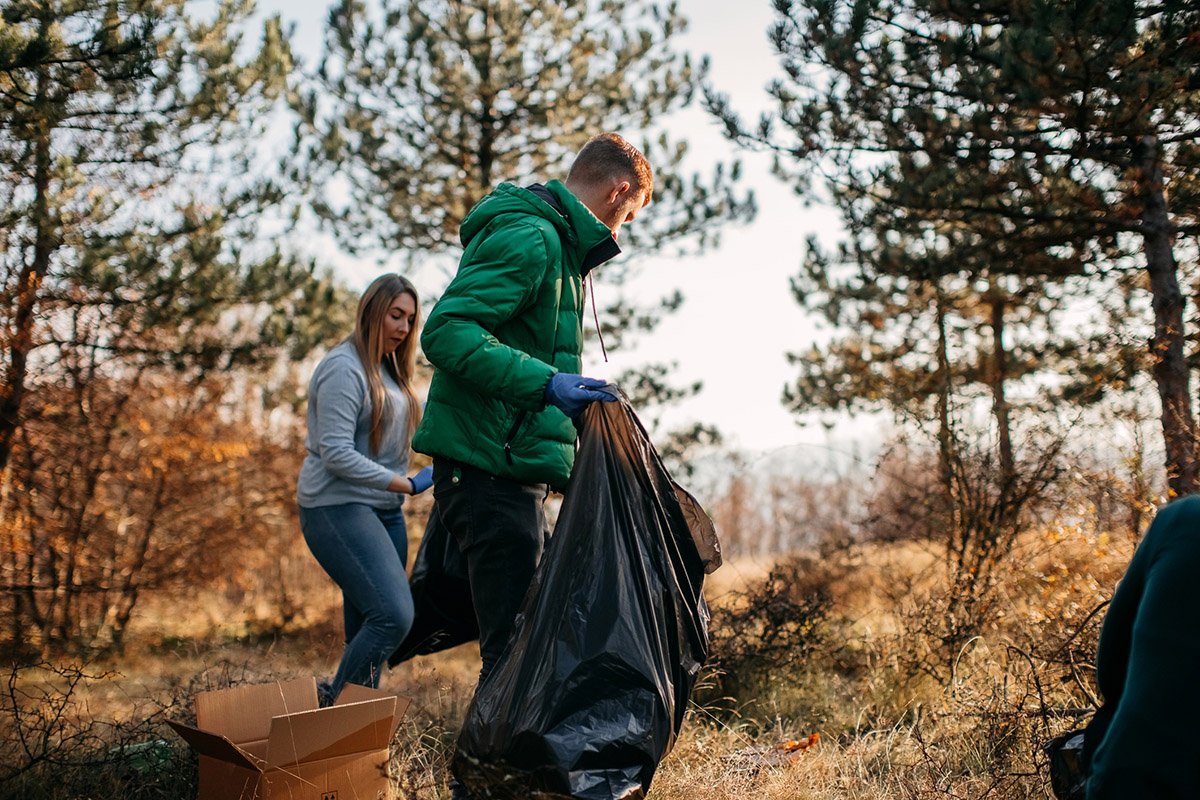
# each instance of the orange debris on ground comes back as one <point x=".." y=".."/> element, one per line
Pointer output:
<point x="751" y="759"/>
<point x="796" y="745"/>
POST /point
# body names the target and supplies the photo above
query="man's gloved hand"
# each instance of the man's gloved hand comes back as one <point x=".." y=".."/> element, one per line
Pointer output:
<point x="572" y="393"/>
<point x="422" y="480"/>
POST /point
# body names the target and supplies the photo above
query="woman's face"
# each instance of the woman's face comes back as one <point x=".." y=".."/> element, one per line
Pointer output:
<point x="398" y="321"/>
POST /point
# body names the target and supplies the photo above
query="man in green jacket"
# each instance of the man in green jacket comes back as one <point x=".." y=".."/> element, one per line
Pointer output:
<point x="1142" y="743"/>
<point x="505" y="340"/>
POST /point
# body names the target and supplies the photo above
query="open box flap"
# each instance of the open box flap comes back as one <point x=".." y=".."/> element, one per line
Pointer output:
<point x="329" y="732"/>
<point x="215" y="746"/>
<point x="354" y="693"/>
<point x="243" y="713"/>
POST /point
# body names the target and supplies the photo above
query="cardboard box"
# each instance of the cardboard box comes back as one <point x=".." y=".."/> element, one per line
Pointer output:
<point x="271" y="741"/>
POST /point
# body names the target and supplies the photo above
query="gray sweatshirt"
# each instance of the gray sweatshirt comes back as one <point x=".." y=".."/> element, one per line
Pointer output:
<point x="339" y="467"/>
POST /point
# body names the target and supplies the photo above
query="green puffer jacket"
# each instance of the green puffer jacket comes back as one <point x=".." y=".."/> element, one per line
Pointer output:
<point x="511" y="319"/>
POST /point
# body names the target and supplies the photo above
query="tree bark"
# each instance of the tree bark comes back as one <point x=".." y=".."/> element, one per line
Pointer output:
<point x="1170" y="367"/>
<point x="999" y="374"/>
<point x="12" y="393"/>
<point x="956" y="545"/>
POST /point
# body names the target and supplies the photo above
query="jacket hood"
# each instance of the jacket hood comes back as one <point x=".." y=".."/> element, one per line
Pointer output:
<point x="581" y="232"/>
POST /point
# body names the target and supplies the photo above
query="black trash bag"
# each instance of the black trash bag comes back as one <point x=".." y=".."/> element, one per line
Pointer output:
<point x="1068" y="766"/>
<point x="591" y="692"/>
<point x="444" y="615"/>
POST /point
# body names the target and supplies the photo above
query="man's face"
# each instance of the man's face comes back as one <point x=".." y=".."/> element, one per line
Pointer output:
<point x="621" y="205"/>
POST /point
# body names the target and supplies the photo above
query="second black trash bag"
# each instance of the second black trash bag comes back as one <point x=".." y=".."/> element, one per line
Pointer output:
<point x="444" y="615"/>
<point x="592" y="690"/>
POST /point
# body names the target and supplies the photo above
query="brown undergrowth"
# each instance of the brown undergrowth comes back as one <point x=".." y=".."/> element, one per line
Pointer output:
<point x="844" y="645"/>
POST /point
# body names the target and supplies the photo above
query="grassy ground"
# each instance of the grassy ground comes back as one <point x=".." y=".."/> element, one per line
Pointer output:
<point x="895" y="717"/>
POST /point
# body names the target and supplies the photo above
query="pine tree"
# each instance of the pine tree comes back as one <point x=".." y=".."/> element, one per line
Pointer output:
<point x="119" y="246"/>
<point x="130" y="255"/>
<point x="1058" y="125"/>
<point x="418" y="112"/>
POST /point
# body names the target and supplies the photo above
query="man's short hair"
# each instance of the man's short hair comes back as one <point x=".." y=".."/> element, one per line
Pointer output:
<point x="608" y="156"/>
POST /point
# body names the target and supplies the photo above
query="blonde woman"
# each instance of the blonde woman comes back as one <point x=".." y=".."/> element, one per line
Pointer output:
<point x="361" y="415"/>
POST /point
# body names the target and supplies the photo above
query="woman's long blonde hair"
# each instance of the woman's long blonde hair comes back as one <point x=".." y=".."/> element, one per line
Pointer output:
<point x="402" y="363"/>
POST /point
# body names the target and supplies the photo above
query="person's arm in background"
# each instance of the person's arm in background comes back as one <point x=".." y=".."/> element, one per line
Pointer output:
<point x="501" y="279"/>
<point x="1150" y="748"/>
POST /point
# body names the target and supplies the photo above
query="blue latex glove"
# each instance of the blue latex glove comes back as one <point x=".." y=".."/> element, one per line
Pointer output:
<point x="572" y="393"/>
<point x="422" y="480"/>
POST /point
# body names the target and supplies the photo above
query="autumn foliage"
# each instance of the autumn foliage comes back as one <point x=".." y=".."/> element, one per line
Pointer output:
<point x="126" y="486"/>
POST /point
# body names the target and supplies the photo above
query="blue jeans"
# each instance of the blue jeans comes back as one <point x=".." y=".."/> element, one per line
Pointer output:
<point x="364" y="550"/>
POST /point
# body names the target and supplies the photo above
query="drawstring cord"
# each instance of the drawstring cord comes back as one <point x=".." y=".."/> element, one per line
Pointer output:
<point x="595" y="316"/>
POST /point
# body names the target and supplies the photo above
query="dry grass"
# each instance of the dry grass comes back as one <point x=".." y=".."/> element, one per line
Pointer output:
<point x="887" y="730"/>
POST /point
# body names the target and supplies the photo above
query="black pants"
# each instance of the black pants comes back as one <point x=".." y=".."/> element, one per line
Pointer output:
<point x="500" y="526"/>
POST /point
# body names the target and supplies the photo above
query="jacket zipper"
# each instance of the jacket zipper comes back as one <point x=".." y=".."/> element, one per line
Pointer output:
<point x="512" y="434"/>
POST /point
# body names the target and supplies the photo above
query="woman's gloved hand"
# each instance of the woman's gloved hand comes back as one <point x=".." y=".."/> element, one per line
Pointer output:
<point x="422" y="480"/>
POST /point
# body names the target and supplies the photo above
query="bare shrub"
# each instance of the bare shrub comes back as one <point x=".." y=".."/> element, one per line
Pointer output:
<point x="974" y="508"/>
<point x="130" y="486"/>
<point x="767" y="631"/>
<point x="812" y="514"/>
<point x="55" y="750"/>
<point x="738" y="517"/>
<point x="764" y="513"/>
<point x="906" y="502"/>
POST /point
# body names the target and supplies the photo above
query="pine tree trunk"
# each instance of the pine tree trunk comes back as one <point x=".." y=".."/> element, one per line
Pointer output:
<point x="999" y="398"/>
<point x="1167" y="347"/>
<point x="12" y="393"/>
<point x="956" y="548"/>
<point x="487" y="112"/>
